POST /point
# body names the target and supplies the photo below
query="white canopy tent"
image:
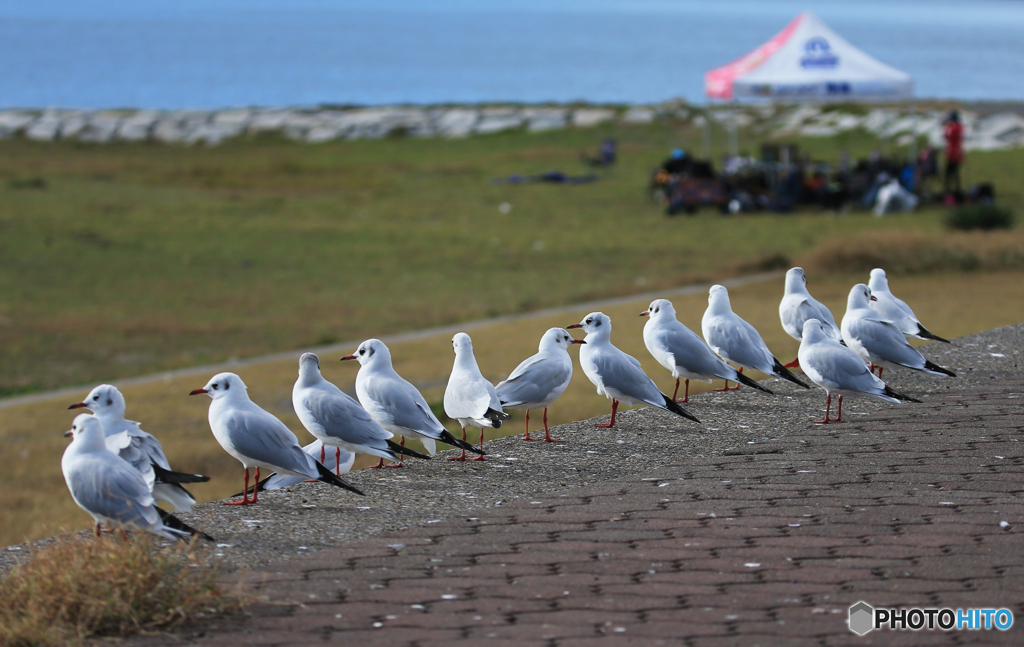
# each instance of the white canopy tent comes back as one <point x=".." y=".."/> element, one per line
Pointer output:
<point x="807" y="61"/>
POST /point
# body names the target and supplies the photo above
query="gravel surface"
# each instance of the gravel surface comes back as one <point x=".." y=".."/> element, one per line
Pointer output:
<point x="312" y="516"/>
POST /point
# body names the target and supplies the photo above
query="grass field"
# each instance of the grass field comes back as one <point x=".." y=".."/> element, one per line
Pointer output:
<point x="124" y="260"/>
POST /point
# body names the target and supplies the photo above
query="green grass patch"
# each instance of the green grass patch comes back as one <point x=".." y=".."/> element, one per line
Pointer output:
<point x="109" y="586"/>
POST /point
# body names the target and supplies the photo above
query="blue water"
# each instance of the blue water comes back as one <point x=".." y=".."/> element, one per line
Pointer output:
<point x="217" y="53"/>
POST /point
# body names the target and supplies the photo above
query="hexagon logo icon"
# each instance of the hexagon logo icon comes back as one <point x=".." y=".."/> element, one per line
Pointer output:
<point x="862" y="618"/>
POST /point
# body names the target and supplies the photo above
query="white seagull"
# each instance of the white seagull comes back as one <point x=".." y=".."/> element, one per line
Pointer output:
<point x="127" y="439"/>
<point x="737" y="341"/>
<point x="469" y="397"/>
<point x="895" y="309"/>
<point x="540" y="379"/>
<point x="682" y="352"/>
<point x="878" y="340"/>
<point x="109" y="488"/>
<point x="839" y="370"/>
<point x="616" y="374"/>
<point x="333" y="417"/>
<point x="257" y="438"/>
<point x="395" y="403"/>
<point x="797" y="306"/>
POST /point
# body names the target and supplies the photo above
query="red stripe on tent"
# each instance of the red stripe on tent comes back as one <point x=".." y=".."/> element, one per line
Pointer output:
<point x="718" y="82"/>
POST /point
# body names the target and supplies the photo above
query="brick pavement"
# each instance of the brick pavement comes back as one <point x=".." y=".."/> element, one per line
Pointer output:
<point x="769" y="547"/>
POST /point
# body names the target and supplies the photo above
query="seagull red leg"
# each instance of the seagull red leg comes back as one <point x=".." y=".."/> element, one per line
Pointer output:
<point x="731" y="388"/>
<point x="480" y="457"/>
<point x="839" y="415"/>
<point x="463" y="456"/>
<point x="337" y="461"/>
<point x="828" y="407"/>
<point x="547" y="434"/>
<point x="794" y="364"/>
<point x="527" y="436"/>
<point x="245" y="492"/>
<point x="255" y="487"/>
<point x="607" y="425"/>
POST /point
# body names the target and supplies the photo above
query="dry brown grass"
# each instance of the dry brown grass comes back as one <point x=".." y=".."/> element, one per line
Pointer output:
<point x="111" y="586"/>
<point x="918" y="252"/>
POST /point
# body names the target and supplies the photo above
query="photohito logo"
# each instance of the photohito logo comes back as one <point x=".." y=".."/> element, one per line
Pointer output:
<point x="864" y="618"/>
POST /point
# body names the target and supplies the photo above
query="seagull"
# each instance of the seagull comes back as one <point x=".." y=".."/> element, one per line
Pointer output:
<point x="737" y="341"/>
<point x="257" y="438"/>
<point x="540" y="379"/>
<point x="681" y="351"/>
<point x="469" y="398"/>
<point x="278" y="481"/>
<point x="840" y="370"/>
<point x="396" y="404"/>
<point x="109" y="488"/>
<point x="797" y="306"/>
<point x="127" y="439"/>
<point x="895" y="309"/>
<point x="334" y="417"/>
<point x="617" y="375"/>
<point x="878" y="340"/>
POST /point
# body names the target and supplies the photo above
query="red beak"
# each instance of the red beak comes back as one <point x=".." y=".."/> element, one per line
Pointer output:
<point x="645" y="313"/>
<point x="198" y="391"/>
<point x="348" y="357"/>
<point x="578" y="341"/>
<point x="69" y="433"/>
<point x="574" y="326"/>
<point x="874" y="298"/>
<point x="78" y="405"/>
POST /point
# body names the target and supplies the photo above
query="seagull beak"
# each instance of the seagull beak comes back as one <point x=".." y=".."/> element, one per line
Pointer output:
<point x="198" y="391"/>
<point x="874" y="298"/>
<point x="78" y="405"/>
<point x="348" y="357"/>
<point x="69" y="433"/>
<point x="645" y="313"/>
<point x="574" y="326"/>
<point x="578" y="341"/>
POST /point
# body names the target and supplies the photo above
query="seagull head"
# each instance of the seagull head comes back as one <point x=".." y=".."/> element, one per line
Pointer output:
<point x="718" y="300"/>
<point x="557" y="338"/>
<point x="660" y="308"/>
<point x="370" y="351"/>
<point x="796" y="281"/>
<point x="309" y="368"/>
<point x="462" y="344"/>
<point x="595" y="323"/>
<point x="222" y="385"/>
<point x="813" y="332"/>
<point x="86" y="430"/>
<point x="103" y="400"/>
<point x="878" y="282"/>
<point x="860" y="297"/>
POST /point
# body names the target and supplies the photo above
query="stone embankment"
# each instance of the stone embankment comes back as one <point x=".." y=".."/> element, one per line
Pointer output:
<point x="986" y="129"/>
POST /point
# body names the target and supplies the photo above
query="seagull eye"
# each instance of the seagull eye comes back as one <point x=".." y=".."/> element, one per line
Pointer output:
<point x="95" y="398"/>
<point x="590" y="320"/>
<point x="362" y="351"/>
<point x="214" y="386"/>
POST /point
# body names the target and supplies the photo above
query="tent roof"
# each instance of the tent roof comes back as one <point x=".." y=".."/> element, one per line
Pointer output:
<point x="807" y="60"/>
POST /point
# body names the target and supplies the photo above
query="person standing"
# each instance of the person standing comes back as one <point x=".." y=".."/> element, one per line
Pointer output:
<point x="954" y="134"/>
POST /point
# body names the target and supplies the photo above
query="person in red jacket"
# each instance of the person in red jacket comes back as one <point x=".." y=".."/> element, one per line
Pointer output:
<point x="954" y="135"/>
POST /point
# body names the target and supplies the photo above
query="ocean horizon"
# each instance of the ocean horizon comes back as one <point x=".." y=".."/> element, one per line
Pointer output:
<point x="96" y="54"/>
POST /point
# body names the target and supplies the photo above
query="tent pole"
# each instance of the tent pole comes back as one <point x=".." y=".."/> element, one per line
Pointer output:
<point x="734" y="136"/>
<point x="707" y="130"/>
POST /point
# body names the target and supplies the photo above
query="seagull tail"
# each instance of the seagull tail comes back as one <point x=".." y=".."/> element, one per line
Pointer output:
<point x="175" y="494"/>
<point x="405" y="451"/>
<point x="447" y="437"/>
<point x="781" y="371"/>
<point x="179" y="526"/>
<point x="923" y="333"/>
<point x="746" y="381"/>
<point x="496" y="417"/>
<point x="935" y="368"/>
<point x="328" y="477"/>
<point x="899" y="396"/>
<point x="678" y="410"/>
<point x="167" y="476"/>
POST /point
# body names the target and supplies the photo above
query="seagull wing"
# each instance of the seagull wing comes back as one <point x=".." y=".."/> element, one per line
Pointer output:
<point x="535" y="380"/>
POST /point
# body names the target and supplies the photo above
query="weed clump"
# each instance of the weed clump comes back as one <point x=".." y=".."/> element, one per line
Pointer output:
<point x="105" y="587"/>
<point x="979" y="216"/>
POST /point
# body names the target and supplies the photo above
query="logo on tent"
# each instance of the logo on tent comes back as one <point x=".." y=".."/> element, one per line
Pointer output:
<point x="818" y="54"/>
